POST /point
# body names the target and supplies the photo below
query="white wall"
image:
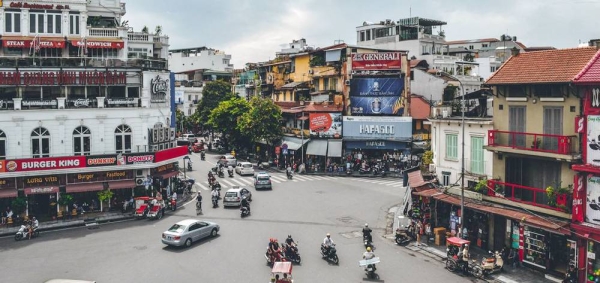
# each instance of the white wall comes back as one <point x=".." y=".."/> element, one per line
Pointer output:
<point x="473" y="127"/>
<point x="188" y="107"/>
<point x="206" y="59"/>
<point x="430" y="87"/>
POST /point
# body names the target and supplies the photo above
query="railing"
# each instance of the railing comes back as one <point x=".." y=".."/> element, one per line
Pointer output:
<point x="138" y="36"/>
<point x="59" y="62"/>
<point x="103" y="32"/>
<point x="386" y="39"/>
<point x="161" y="39"/>
<point x="533" y="142"/>
<point x="434" y="37"/>
<point x="528" y="195"/>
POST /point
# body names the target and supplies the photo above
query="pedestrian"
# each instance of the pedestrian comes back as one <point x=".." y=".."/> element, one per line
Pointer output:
<point x="419" y="232"/>
<point x="428" y="232"/>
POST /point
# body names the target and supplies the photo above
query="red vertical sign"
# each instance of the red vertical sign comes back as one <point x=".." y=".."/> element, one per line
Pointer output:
<point x="521" y="243"/>
<point x="579" y="193"/>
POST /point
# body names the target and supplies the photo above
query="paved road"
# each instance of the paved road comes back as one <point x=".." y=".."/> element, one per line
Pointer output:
<point x="132" y="252"/>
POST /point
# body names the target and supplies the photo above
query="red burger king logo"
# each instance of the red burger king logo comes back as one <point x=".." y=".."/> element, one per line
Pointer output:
<point x="11" y="166"/>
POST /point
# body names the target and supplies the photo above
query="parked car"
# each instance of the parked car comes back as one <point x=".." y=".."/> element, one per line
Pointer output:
<point x="187" y="231"/>
<point x="233" y="196"/>
<point x="197" y="147"/>
<point x="190" y="137"/>
<point x="263" y="181"/>
<point x="227" y="160"/>
<point x="244" y="168"/>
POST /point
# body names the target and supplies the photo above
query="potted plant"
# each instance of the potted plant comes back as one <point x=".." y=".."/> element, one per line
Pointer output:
<point x="104" y="195"/>
<point x="65" y="200"/>
<point x="302" y="99"/>
<point x="18" y="205"/>
<point x="535" y="144"/>
<point x="551" y="193"/>
<point x="481" y="187"/>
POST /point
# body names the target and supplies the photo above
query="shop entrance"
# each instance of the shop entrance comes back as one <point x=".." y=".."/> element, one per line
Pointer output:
<point x="499" y="232"/>
<point x="559" y="253"/>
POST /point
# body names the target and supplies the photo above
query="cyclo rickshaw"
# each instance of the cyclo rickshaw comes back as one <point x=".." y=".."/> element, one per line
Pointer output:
<point x="453" y="246"/>
<point x="280" y="268"/>
<point x="142" y="206"/>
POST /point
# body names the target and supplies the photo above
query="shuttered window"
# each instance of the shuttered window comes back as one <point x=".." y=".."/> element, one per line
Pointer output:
<point x="477" y="165"/>
<point x="452" y="146"/>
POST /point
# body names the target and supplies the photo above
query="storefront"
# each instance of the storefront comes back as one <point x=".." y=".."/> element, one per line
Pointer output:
<point x="8" y="191"/>
<point x="324" y="151"/>
<point x="290" y="151"/>
<point x="166" y="176"/>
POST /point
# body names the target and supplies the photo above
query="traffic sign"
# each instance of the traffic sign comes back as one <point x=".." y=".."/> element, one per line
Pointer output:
<point x="285" y="151"/>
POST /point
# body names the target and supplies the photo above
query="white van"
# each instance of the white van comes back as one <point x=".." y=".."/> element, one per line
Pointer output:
<point x="189" y="137"/>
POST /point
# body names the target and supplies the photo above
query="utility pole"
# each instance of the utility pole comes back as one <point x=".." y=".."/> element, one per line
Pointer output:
<point x="462" y="163"/>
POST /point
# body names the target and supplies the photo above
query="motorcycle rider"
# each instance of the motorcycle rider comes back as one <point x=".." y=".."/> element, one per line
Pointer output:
<point x="290" y="241"/>
<point x="246" y="203"/>
<point x="464" y="256"/>
<point x="202" y="155"/>
<point x="230" y="170"/>
<point x="369" y="254"/>
<point x="215" y="196"/>
<point x="327" y="243"/>
<point x="290" y="248"/>
<point x="32" y="226"/>
<point x="199" y="201"/>
<point x="288" y="171"/>
<point x="367" y="233"/>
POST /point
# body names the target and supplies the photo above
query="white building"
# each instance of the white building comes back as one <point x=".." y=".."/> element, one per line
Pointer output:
<point x="78" y="112"/>
<point x="188" y="59"/>
<point x="446" y="144"/>
<point x="187" y="99"/>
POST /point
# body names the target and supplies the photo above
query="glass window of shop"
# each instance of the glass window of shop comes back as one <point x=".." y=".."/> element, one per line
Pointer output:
<point x="40" y="143"/>
<point x="32" y="93"/>
<point x="50" y="52"/>
<point x="76" y="92"/>
<point x="45" y="22"/>
<point x="133" y="92"/>
<point x="102" y="52"/>
<point x="2" y="145"/>
<point x="536" y="247"/>
<point x="12" y="51"/>
<point x="8" y="93"/>
<point x="82" y="140"/>
<point x="116" y="92"/>
<point x="12" y="21"/>
<point x="593" y="262"/>
<point x="51" y="92"/>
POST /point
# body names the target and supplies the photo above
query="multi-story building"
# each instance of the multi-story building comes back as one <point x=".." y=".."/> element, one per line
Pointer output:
<point x="187" y="99"/>
<point x="79" y="113"/>
<point x="187" y="59"/>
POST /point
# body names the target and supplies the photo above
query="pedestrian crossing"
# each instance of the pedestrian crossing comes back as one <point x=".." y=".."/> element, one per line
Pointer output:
<point x="248" y="181"/>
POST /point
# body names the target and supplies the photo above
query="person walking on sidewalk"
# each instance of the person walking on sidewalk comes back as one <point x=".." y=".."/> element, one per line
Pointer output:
<point x="419" y="232"/>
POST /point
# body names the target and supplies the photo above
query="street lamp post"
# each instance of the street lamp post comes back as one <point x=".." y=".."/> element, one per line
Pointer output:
<point x="462" y="163"/>
<point x="302" y="144"/>
<point x="186" y="158"/>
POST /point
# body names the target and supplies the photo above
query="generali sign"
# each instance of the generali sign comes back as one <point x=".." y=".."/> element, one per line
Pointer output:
<point x="377" y="61"/>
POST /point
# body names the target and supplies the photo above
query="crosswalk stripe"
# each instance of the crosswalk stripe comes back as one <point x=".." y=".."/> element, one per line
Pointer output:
<point x="278" y="179"/>
<point x="246" y="181"/>
<point x="303" y="178"/>
<point x="227" y="182"/>
<point x="239" y="182"/>
<point x="202" y="187"/>
<point x="387" y="182"/>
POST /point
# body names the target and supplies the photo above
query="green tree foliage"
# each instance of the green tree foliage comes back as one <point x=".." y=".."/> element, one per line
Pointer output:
<point x="225" y="118"/>
<point x="183" y="121"/>
<point x="263" y="121"/>
<point x="213" y="94"/>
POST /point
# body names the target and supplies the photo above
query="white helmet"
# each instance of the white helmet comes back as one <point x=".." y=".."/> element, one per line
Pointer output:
<point x="366" y="224"/>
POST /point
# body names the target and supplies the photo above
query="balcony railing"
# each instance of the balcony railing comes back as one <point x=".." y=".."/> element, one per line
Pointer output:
<point x="103" y="32"/>
<point x="74" y="62"/>
<point x="528" y="195"/>
<point x="163" y="39"/>
<point x="557" y="144"/>
<point x="140" y="36"/>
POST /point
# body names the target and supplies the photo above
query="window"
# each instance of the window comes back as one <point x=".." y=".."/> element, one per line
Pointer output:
<point x="516" y="124"/>
<point x="44" y="22"/>
<point x="333" y="84"/>
<point x="470" y="47"/>
<point x="452" y="146"/>
<point x="137" y="52"/>
<point x="102" y="52"/>
<point x="477" y="166"/>
<point x="12" y="22"/>
<point x="40" y="143"/>
<point x="362" y="36"/>
<point x="123" y="139"/>
<point x="445" y="178"/>
<point x="325" y="84"/>
<point x="316" y="84"/>
<point x="492" y="69"/>
<point x="74" y="24"/>
<point x="2" y="145"/>
<point x="369" y="35"/>
<point x="484" y="45"/>
<point x="82" y="141"/>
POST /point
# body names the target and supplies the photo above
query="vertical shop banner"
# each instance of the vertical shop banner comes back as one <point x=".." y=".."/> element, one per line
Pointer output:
<point x="385" y="105"/>
<point x="592" y="209"/>
<point x="578" y="197"/>
<point x="377" y="61"/>
<point x="325" y="125"/>
<point x="521" y="242"/>
<point x="593" y="138"/>
<point x="376" y="86"/>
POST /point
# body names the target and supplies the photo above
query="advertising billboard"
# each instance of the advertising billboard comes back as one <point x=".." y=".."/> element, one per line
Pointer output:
<point x="592" y="211"/>
<point x="376" y="87"/>
<point x="593" y="137"/>
<point x="325" y="125"/>
<point x="377" y="105"/>
<point x="378" y="128"/>
<point x="376" y="61"/>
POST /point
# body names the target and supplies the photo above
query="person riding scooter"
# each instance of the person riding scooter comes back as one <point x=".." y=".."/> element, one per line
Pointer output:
<point x="230" y="170"/>
<point x="246" y="203"/>
<point x="367" y="233"/>
<point x="202" y="155"/>
<point x="369" y="254"/>
<point x="288" y="172"/>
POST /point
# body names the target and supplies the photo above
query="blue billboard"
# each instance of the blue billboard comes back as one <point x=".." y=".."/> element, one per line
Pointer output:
<point x="384" y="105"/>
<point x="376" y="87"/>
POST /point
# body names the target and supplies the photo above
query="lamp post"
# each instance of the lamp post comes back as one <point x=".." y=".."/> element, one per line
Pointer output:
<point x="302" y="144"/>
<point x="462" y="162"/>
<point x="186" y="158"/>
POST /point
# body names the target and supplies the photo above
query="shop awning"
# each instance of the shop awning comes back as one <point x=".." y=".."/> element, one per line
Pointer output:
<point x="548" y="224"/>
<point x="85" y="187"/>
<point x="28" y="41"/>
<point x="317" y="147"/>
<point x="168" y="174"/>
<point x="124" y="184"/>
<point x="334" y="148"/>
<point x="427" y="193"/>
<point x="8" y="193"/>
<point x="293" y="143"/>
<point x="98" y="43"/>
<point x="415" y="179"/>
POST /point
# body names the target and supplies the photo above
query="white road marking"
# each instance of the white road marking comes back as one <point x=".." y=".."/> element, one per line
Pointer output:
<point x="227" y="182"/>
<point x="203" y="187"/>
<point x="239" y="182"/>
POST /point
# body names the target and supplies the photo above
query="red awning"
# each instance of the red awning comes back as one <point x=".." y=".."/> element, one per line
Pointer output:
<point x="303" y="118"/>
<point x="124" y="184"/>
<point x="98" y="43"/>
<point x="41" y="190"/>
<point x="169" y="174"/>
<point x="85" y="187"/>
<point x="427" y="193"/>
<point x="8" y="193"/>
<point x="27" y="42"/>
<point x="415" y="179"/>
<point x="551" y="225"/>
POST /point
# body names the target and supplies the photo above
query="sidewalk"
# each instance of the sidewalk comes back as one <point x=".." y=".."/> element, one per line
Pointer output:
<point x="509" y="275"/>
<point x="341" y="174"/>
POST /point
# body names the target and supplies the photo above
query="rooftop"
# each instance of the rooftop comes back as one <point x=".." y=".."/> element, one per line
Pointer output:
<point x="591" y="72"/>
<point x="472" y="41"/>
<point x="549" y="66"/>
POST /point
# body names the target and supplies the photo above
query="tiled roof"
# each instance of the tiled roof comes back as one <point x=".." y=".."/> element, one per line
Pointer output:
<point x="419" y="107"/>
<point x="549" y="66"/>
<point x="471" y="41"/>
<point x="591" y="72"/>
<point x="323" y="108"/>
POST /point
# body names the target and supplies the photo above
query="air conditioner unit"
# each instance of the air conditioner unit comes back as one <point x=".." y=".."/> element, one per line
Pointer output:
<point x="139" y="181"/>
<point x="432" y="167"/>
<point x="347" y="82"/>
<point x="269" y="79"/>
<point x="172" y="135"/>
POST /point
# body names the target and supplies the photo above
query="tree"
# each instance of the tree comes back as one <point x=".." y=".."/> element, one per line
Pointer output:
<point x="158" y="31"/>
<point x="225" y="118"/>
<point x="213" y="94"/>
<point x="263" y="121"/>
<point x="145" y="29"/>
<point x="183" y="123"/>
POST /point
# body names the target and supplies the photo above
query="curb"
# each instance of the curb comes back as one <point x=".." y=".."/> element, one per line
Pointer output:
<point x="337" y="175"/>
<point x="74" y="223"/>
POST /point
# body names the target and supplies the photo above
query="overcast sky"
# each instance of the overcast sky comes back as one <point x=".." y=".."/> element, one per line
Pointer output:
<point x="253" y="30"/>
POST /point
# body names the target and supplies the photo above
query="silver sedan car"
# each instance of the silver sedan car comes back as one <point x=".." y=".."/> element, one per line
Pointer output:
<point x="187" y="231"/>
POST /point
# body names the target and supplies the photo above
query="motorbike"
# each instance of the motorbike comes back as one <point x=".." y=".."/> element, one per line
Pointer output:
<point x="189" y="166"/>
<point x="230" y="172"/>
<point x="289" y="175"/>
<point x="375" y="170"/>
<point x="221" y="174"/>
<point x="405" y="231"/>
<point x="127" y="205"/>
<point x="454" y="261"/>
<point x="278" y="256"/>
<point x="244" y="211"/>
<point x="367" y="241"/>
<point x="202" y="156"/>
<point x="215" y="201"/>
<point x="494" y="264"/>
<point x="370" y="267"/>
<point x="365" y="170"/>
<point x="330" y="256"/>
<point x="292" y="254"/>
<point x="198" y="208"/>
<point x="23" y="233"/>
<point x="173" y="204"/>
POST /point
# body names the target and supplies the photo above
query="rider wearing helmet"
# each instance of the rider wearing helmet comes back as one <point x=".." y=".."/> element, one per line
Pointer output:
<point x="290" y="241"/>
<point x="367" y="232"/>
<point x="369" y="255"/>
<point x="327" y="243"/>
<point x="245" y="203"/>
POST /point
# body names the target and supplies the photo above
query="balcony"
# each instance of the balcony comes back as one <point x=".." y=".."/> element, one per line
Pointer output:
<point x="541" y="145"/>
<point x="77" y="62"/>
<point x="140" y="37"/>
<point x="103" y="32"/>
<point x="162" y="39"/>
<point x="532" y="196"/>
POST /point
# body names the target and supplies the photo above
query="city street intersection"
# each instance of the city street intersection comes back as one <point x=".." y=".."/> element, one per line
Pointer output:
<point x="306" y="207"/>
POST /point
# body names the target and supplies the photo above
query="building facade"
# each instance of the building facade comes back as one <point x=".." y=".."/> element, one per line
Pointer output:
<point x="79" y="114"/>
<point x="187" y="59"/>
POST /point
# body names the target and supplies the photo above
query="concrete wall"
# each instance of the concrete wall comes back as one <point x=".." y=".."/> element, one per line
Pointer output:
<point x="429" y="86"/>
<point x="206" y="59"/>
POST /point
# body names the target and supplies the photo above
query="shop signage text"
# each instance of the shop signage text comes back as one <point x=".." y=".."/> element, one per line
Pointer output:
<point x="397" y="128"/>
<point x="8" y="183"/>
<point x="377" y="129"/>
<point x="40" y="180"/>
<point x="39" y="103"/>
<point x="38" y="6"/>
<point x="578" y="195"/>
<point x="140" y="159"/>
<point x="120" y="101"/>
<point x="376" y="61"/>
<point x="100" y="176"/>
<point x="98" y="44"/>
<point x="41" y="190"/>
<point x="595" y="97"/>
<point x="375" y="143"/>
<point x="62" y="78"/>
<point x="158" y="89"/>
<point x="167" y="167"/>
<point x="81" y="102"/>
<point x="29" y="43"/>
<point x="47" y="163"/>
